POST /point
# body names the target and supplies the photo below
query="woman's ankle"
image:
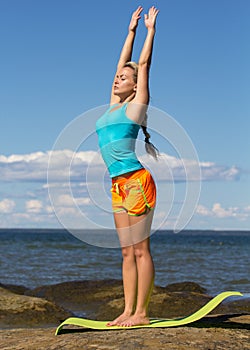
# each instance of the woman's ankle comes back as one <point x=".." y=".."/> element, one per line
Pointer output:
<point x="128" y="312"/>
<point x="141" y="312"/>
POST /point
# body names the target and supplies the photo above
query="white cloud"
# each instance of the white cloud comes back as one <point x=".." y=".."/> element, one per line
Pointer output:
<point x="203" y="211"/>
<point x="77" y="181"/>
<point x="213" y="172"/>
<point x="169" y="167"/>
<point x="34" y="166"/>
<point x="217" y="211"/>
<point x="224" y="213"/>
<point x="66" y="165"/>
<point x="7" y="206"/>
<point x="34" y="206"/>
<point x="66" y="200"/>
<point x="26" y="219"/>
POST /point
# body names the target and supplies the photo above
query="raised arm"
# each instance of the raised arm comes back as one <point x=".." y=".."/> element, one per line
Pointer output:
<point x="142" y="93"/>
<point x="127" y="49"/>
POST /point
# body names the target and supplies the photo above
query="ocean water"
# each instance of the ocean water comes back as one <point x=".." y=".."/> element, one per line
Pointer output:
<point x="218" y="261"/>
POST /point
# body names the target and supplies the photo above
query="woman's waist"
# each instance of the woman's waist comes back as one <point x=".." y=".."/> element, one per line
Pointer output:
<point x="129" y="175"/>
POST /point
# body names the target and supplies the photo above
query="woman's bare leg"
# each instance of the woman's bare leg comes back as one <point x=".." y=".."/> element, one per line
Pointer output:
<point x="140" y="227"/>
<point x="129" y="268"/>
<point x="145" y="268"/>
<point x="137" y="269"/>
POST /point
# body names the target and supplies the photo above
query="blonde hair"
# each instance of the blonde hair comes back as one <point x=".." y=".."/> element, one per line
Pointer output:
<point x="134" y="66"/>
<point x="150" y="148"/>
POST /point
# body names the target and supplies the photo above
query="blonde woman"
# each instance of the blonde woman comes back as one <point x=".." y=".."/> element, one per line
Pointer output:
<point x="133" y="188"/>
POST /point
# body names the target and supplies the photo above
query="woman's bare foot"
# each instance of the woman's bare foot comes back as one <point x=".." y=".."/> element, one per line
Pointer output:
<point x="117" y="322"/>
<point x="135" y="320"/>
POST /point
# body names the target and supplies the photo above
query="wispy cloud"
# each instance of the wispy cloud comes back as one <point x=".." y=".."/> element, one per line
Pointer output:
<point x="66" y="164"/>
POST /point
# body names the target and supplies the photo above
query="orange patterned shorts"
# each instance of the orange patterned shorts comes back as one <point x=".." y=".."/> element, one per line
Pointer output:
<point x="133" y="193"/>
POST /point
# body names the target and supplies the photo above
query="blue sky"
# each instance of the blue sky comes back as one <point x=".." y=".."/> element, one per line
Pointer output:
<point x="57" y="62"/>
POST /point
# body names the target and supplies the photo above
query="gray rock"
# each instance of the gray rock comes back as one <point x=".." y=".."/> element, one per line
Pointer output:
<point x="102" y="300"/>
<point x="22" y="311"/>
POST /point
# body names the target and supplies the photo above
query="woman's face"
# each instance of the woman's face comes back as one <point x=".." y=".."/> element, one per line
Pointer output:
<point x="124" y="84"/>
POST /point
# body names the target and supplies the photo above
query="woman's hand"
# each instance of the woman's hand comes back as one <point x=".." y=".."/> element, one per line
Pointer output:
<point x="150" y="18"/>
<point x="135" y="19"/>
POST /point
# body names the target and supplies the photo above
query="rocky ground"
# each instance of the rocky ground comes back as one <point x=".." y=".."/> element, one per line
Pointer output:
<point x="28" y="318"/>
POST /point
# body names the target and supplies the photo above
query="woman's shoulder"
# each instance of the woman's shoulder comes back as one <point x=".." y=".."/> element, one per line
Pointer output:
<point x="136" y="111"/>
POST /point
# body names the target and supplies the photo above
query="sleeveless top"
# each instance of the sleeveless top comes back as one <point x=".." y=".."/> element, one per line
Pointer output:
<point x="117" y="137"/>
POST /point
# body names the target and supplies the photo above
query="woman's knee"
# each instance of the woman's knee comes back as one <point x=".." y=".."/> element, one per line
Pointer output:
<point x="141" y="250"/>
<point x="128" y="252"/>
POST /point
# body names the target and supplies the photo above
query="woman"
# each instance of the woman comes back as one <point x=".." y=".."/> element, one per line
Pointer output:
<point x="133" y="188"/>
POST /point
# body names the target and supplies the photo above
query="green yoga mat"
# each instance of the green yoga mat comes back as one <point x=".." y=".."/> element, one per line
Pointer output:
<point x="154" y="323"/>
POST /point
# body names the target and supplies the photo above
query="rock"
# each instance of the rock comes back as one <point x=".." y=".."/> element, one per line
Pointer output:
<point x="20" y="310"/>
<point x="15" y="288"/>
<point x="167" y="303"/>
<point x="230" y="335"/>
<point x="162" y="305"/>
<point x="185" y="287"/>
<point x="103" y="300"/>
<point x="81" y="297"/>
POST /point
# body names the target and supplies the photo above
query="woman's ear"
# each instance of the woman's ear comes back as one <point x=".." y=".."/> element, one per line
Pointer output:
<point x="135" y="87"/>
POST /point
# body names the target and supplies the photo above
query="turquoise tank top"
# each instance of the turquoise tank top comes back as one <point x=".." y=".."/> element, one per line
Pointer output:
<point x="117" y="137"/>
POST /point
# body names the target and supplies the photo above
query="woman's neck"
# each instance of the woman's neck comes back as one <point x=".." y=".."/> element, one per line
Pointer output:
<point x="127" y="99"/>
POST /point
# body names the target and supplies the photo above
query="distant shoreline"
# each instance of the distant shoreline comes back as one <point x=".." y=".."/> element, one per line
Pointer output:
<point x="168" y="232"/>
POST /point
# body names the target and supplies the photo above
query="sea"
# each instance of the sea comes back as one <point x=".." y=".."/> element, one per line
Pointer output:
<point x="216" y="260"/>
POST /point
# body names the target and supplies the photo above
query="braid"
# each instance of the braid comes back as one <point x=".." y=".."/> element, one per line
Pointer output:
<point x="146" y="134"/>
<point x="150" y="148"/>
